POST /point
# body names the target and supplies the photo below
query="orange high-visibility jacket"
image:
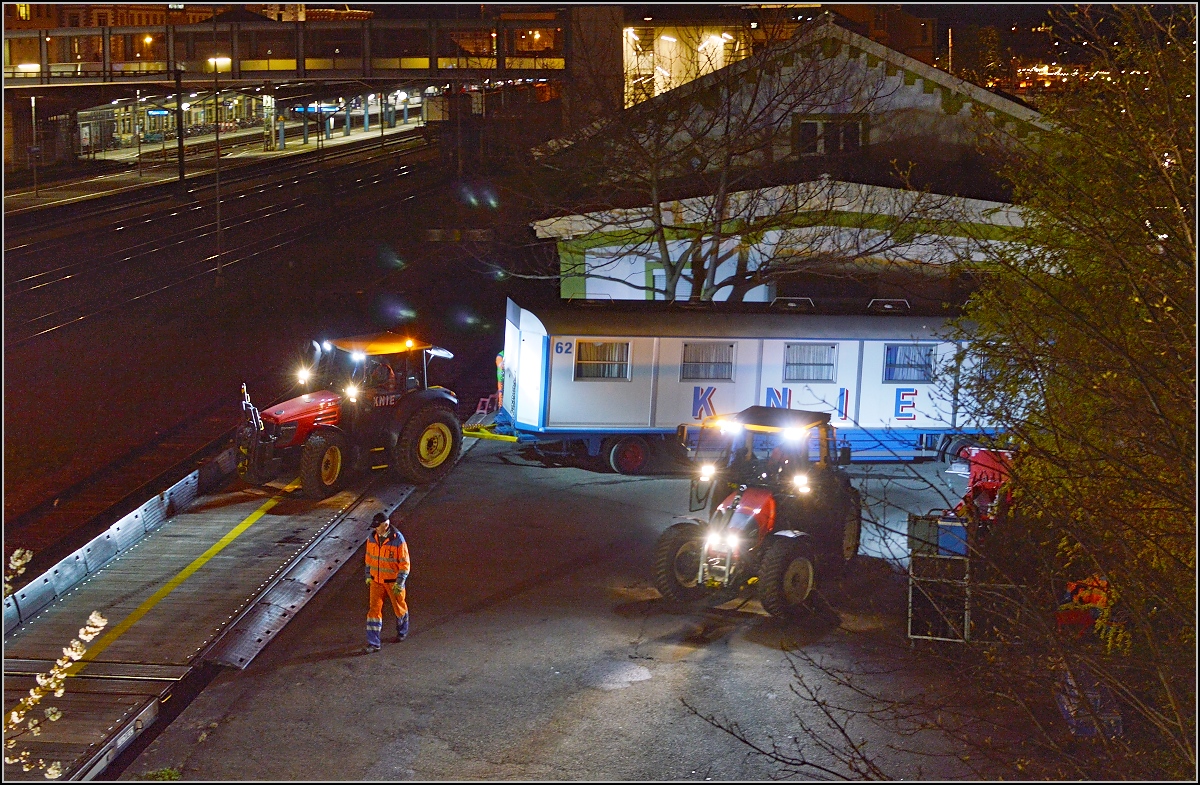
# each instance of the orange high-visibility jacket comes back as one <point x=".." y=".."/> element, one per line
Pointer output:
<point x="387" y="560"/>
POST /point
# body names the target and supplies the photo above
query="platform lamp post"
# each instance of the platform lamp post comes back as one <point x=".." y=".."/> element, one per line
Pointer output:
<point x="217" y="62"/>
<point x="137" y="129"/>
<point x="37" y="153"/>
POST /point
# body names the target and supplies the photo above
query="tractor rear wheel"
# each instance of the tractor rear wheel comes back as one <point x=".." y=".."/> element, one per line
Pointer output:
<point x="677" y="563"/>
<point x="787" y="579"/>
<point x="428" y="445"/>
<point x="629" y="455"/>
<point x="324" y="461"/>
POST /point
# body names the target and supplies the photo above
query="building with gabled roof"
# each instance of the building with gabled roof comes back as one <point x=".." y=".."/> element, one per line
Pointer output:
<point x="825" y="113"/>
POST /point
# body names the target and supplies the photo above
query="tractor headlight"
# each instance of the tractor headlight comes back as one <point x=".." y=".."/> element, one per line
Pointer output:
<point x="793" y="434"/>
<point x="730" y="427"/>
<point x="719" y="541"/>
<point x="707" y="471"/>
<point x="801" y="483"/>
<point x="351" y="391"/>
<point x="304" y="375"/>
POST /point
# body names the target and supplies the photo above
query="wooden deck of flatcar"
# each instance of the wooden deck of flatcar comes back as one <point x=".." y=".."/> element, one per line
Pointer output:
<point x="169" y="599"/>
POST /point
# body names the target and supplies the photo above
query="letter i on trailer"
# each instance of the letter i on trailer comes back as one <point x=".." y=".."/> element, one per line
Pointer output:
<point x="619" y="379"/>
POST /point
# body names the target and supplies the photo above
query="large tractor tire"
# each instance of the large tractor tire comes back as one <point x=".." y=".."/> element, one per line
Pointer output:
<point x="787" y="578"/>
<point x="629" y="455"/>
<point x="852" y="529"/>
<point x="428" y="445"/>
<point x="677" y="563"/>
<point x="324" y="463"/>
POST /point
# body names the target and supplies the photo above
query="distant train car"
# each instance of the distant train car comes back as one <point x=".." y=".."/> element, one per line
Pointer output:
<point x="619" y="378"/>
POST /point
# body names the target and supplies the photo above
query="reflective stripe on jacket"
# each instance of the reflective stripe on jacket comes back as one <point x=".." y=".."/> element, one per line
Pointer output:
<point x="387" y="561"/>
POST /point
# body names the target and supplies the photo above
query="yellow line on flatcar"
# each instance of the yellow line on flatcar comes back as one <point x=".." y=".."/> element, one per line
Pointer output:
<point x="113" y="633"/>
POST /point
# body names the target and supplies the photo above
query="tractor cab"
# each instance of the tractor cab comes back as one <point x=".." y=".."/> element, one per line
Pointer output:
<point x="381" y="362"/>
<point x="762" y="446"/>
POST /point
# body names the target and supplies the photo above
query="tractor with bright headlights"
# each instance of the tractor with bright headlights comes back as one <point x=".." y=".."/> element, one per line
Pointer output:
<point x="365" y="398"/>
<point x="783" y="514"/>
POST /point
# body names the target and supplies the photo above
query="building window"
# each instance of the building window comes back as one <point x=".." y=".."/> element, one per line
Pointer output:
<point x="73" y="20"/>
<point x="601" y="360"/>
<point x="908" y="363"/>
<point x="23" y="11"/>
<point x="809" y="362"/>
<point x="806" y="139"/>
<point x="826" y="137"/>
<point x="101" y="20"/>
<point x="707" y="361"/>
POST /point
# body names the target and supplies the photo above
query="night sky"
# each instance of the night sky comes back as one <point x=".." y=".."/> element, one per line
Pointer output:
<point x="956" y="14"/>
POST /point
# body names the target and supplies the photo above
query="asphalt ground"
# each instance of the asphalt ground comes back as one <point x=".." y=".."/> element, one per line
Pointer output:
<point x="539" y="650"/>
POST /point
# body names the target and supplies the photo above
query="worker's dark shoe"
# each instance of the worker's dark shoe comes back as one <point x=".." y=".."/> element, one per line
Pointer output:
<point x="370" y="649"/>
<point x="399" y="638"/>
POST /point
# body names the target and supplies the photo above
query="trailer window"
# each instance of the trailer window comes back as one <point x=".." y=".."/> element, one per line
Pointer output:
<point x="601" y="360"/>
<point x="908" y="363"/>
<point x="809" y="362"/>
<point x="706" y="361"/>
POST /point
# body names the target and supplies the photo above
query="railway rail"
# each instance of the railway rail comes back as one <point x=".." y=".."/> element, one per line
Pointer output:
<point x="25" y="226"/>
<point x="39" y="302"/>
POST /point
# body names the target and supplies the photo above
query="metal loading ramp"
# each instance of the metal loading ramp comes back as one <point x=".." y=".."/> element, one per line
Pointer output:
<point x="215" y="582"/>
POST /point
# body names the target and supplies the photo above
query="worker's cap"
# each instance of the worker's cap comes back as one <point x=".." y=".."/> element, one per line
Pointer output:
<point x="378" y="519"/>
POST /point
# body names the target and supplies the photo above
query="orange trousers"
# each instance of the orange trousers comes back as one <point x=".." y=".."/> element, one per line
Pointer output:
<point x="394" y="592"/>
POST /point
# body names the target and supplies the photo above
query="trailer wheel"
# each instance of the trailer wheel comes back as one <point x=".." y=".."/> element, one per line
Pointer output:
<point x="629" y="455"/>
<point x="324" y="461"/>
<point x="787" y="578"/>
<point x="428" y="445"/>
<point x="852" y="529"/>
<point x="677" y="563"/>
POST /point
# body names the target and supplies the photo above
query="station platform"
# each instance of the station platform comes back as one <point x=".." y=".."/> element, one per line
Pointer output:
<point x="159" y="165"/>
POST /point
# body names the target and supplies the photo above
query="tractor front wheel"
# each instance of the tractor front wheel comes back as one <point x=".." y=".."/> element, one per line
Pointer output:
<point x="428" y="445"/>
<point x="677" y="563"/>
<point x="324" y="461"/>
<point x="788" y="578"/>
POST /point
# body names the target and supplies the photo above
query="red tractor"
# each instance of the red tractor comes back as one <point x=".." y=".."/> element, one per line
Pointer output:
<point x="364" y="394"/>
<point x="783" y="512"/>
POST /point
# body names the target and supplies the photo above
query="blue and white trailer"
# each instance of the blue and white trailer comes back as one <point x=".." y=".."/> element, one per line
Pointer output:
<point x="619" y="378"/>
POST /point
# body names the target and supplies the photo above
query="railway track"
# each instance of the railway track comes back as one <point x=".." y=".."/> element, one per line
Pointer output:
<point x="40" y="302"/>
<point x="22" y="225"/>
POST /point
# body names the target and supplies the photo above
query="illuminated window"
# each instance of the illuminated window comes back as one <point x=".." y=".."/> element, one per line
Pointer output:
<point x="602" y="360"/>
<point x="809" y="362"/>
<point x="707" y="361"/>
<point x="23" y="11"/>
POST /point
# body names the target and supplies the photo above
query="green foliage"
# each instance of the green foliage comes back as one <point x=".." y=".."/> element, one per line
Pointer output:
<point x="168" y="773"/>
<point x="1086" y="352"/>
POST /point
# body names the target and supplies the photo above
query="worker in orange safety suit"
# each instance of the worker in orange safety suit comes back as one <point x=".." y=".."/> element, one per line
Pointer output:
<point x="387" y="570"/>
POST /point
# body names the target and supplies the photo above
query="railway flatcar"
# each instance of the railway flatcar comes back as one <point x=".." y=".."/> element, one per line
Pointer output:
<point x="619" y="378"/>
